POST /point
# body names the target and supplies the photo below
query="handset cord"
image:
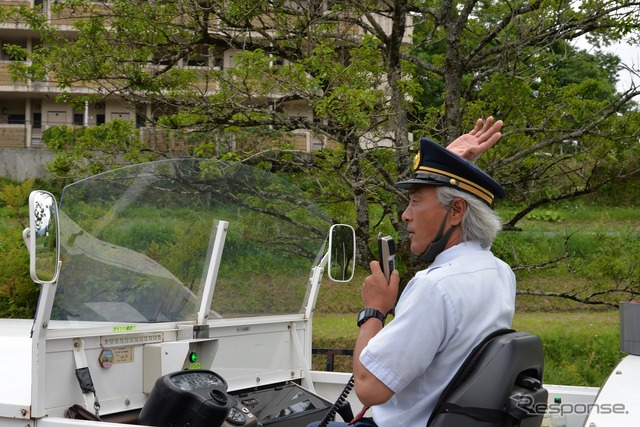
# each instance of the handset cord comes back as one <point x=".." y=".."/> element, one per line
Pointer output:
<point x="341" y="400"/>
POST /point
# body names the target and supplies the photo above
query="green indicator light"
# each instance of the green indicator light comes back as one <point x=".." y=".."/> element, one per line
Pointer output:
<point x="193" y="357"/>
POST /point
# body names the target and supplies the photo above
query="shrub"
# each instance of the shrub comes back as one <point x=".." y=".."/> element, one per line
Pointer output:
<point x="18" y="293"/>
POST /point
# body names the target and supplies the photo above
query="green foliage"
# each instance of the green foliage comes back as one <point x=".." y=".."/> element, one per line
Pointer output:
<point x="18" y="293"/>
<point x="612" y="264"/>
<point x="580" y="359"/>
<point x="527" y="248"/>
<point x="622" y="192"/>
<point x="14" y="196"/>
<point x="545" y="215"/>
<point x="595" y="264"/>
<point x="579" y="348"/>
<point x="355" y="94"/>
<point x="84" y="151"/>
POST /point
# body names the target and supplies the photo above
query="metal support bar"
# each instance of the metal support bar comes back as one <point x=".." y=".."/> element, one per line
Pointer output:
<point x="212" y="272"/>
<point x="84" y="377"/>
<point x="307" y="383"/>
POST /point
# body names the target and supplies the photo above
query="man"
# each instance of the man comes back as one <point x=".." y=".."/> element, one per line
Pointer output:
<point x="445" y="310"/>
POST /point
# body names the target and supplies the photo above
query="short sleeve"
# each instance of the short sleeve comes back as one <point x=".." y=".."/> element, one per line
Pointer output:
<point x="405" y="348"/>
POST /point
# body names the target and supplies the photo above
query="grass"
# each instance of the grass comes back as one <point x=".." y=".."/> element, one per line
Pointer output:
<point x="595" y="216"/>
<point x="581" y="348"/>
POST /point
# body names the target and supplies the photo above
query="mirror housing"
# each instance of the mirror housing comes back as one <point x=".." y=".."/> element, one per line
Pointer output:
<point x="43" y="237"/>
<point x="342" y="252"/>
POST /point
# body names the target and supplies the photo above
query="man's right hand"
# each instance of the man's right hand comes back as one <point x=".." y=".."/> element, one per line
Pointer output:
<point x="376" y="292"/>
<point x="483" y="136"/>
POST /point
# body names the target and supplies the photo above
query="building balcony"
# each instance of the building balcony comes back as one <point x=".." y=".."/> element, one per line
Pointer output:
<point x="13" y="136"/>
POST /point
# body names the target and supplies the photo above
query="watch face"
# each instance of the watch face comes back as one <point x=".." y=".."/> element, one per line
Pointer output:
<point x="369" y="312"/>
<point x="364" y="314"/>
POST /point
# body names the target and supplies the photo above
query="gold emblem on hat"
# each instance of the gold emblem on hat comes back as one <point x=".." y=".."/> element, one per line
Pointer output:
<point x="416" y="161"/>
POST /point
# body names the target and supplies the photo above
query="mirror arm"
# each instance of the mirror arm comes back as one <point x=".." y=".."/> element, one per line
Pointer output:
<point x="315" y="279"/>
<point x="26" y="236"/>
<point x="54" y="281"/>
<point x="323" y="261"/>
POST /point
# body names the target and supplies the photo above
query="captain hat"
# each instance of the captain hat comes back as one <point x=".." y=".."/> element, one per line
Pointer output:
<point x="435" y="165"/>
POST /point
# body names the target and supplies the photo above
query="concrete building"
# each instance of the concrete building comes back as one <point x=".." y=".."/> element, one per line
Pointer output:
<point x="27" y="108"/>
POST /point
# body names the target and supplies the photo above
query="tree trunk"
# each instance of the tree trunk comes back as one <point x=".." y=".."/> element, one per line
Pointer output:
<point x="453" y="73"/>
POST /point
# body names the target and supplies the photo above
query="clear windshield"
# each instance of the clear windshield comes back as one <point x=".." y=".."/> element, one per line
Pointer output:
<point x="136" y="243"/>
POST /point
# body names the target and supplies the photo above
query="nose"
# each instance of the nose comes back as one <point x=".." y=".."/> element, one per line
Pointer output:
<point x="406" y="215"/>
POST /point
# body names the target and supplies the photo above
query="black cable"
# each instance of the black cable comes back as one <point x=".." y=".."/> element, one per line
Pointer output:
<point x="341" y="400"/>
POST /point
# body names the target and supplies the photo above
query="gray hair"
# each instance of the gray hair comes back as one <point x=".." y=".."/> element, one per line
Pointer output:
<point x="480" y="223"/>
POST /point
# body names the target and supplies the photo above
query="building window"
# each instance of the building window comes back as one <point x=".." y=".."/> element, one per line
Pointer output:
<point x="140" y="120"/>
<point x="78" y="119"/>
<point x="16" y="119"/>
<point x="123" y="116"/>
<point x="37" y="120"/>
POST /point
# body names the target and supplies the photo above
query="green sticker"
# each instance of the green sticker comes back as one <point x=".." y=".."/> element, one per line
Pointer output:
<point x="124" y="328"/>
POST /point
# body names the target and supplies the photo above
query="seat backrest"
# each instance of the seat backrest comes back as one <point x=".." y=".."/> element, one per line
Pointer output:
<point x="498" y="385"/>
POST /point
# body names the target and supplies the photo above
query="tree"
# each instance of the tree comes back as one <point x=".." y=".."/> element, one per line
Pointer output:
<point x="84" y="151"/>
<point x="568" y="131"/>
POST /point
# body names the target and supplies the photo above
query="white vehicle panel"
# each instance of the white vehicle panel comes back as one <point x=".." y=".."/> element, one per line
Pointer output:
<point x="15" y="368"/>
<point x="618" y="402"/>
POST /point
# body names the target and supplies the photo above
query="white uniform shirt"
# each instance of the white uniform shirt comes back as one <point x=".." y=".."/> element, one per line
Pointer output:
<point x="443" y="313"/>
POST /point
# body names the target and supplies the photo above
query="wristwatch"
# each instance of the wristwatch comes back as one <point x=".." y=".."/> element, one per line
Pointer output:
<point x="367" y="313"/>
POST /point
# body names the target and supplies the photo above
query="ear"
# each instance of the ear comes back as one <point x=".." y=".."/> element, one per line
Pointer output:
<point x="458" y="209"/>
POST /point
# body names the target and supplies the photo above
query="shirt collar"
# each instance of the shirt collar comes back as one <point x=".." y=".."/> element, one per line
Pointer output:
<point x="461" y="249"/>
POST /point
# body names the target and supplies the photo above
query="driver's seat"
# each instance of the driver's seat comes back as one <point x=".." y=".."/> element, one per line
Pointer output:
<point x="498" y="385"/>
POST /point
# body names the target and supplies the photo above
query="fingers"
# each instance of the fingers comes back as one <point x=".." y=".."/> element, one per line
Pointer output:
<point x="487" y="127"/>
<point x="375" y="268"/>
<point x="491" y="140"/>
<point x="376" y="292"/>
<point x="488" y="124"/>
<point x="493" y="127"/>
<point x="394" y="279"/>
<point x="479" y="125"/>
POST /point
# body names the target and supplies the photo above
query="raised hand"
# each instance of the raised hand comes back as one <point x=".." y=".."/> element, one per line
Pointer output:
<point x="483" y="136"/>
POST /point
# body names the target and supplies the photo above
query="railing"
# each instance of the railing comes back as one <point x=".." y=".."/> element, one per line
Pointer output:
<point x="13" y="3"/>
<point x="5" y="75"/>
<point x="69" y="16"/>
<point x="331" y="353"/>
<point x="15" y="135"/>
<point x="12" y="135"/>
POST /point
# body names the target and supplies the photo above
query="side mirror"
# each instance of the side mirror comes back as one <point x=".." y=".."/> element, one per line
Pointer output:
<point x="43" y="237"/>
<point x="342" y="252"/>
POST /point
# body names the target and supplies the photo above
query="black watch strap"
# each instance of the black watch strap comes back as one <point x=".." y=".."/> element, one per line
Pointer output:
<point x="367" y="313"/>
